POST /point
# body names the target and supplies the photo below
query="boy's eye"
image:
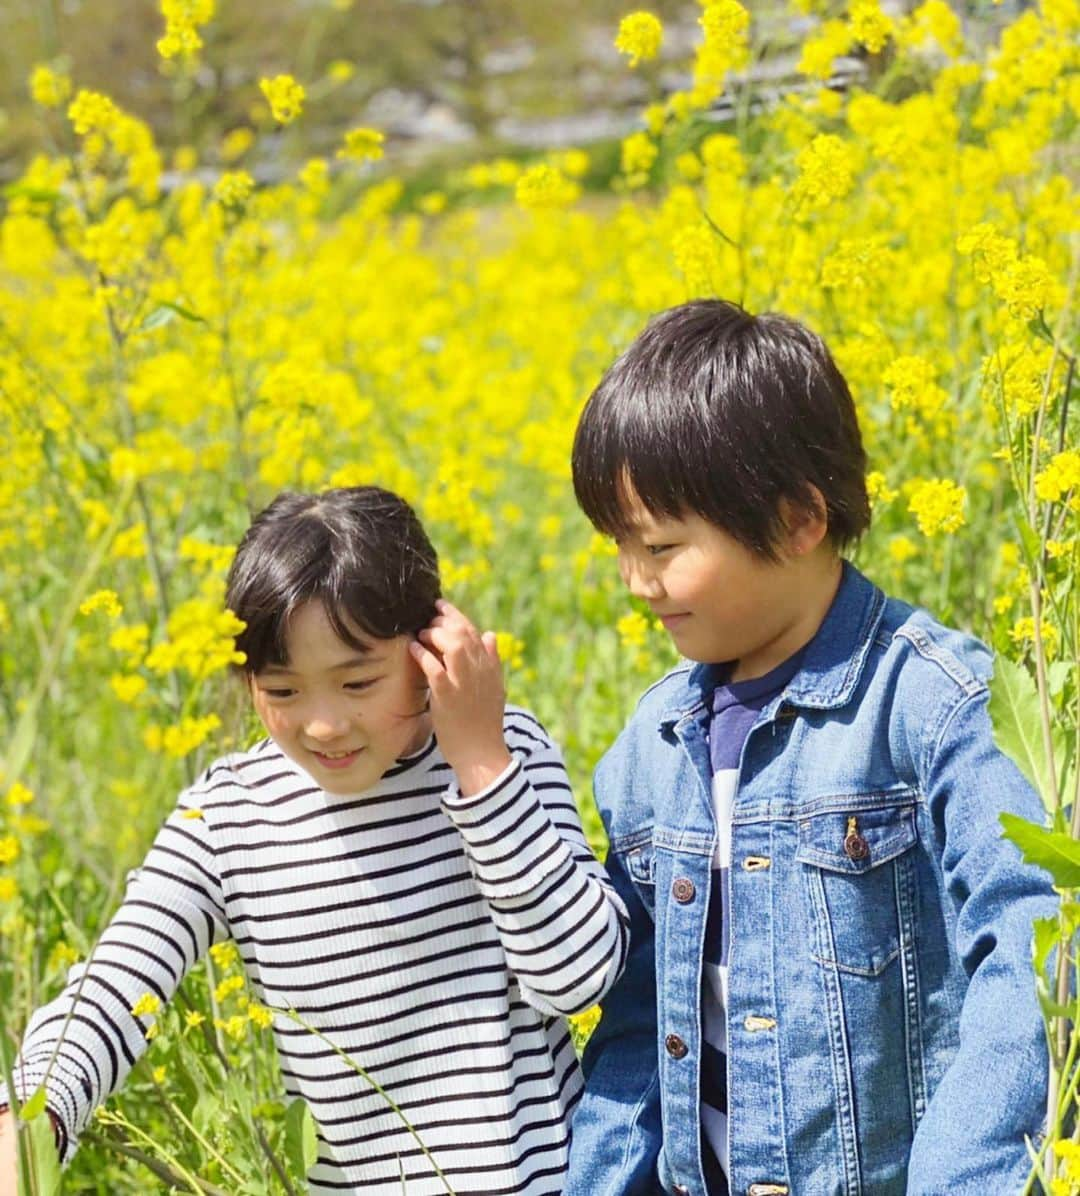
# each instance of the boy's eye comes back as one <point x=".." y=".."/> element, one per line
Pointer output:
<point x="279" y="693"/>
<point x="657" y="549"/>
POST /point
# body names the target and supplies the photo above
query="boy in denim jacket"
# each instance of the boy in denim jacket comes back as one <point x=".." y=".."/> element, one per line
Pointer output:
<point x="829" y="990"/>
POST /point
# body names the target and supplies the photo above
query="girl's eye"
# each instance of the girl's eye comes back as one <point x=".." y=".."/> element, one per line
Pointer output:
<point x="357" y="686"/>
<point x="279" y="693"/>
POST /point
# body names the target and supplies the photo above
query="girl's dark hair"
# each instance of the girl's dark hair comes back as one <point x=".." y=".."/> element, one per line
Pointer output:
<point x="714" y="411"/>
<point x="359" y="550"/>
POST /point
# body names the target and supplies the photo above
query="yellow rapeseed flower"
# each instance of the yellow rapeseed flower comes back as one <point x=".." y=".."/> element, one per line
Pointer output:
<point x="1059" y="478"/>
<point x="106" y="600"/>
<point x="362" y="145"/>
<point x="147" y="1005"/>
<point x="285" y="97"/>
<point x="826" y="171"/>
<point x="18" y="795"/>
<point x="127" y="686"/>
<point x="48" y="87"/>
<point x="545" y="186"/>
<point x="938" y="506"/>
<point x="633" y="629"/>
<point x="182" y="21"/>
<point x="9" y="849"/>
<point x="869" y="25"/>
<point x="640" y="37"/>
<point x="234" y="189"/>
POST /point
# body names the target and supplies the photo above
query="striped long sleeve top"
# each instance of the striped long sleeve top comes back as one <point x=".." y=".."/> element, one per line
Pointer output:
<point x="437" y="939"/>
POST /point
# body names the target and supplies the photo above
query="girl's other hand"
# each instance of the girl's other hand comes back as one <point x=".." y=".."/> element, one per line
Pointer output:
<point x="468" y="697"/>
<point x="9" y="1165"/>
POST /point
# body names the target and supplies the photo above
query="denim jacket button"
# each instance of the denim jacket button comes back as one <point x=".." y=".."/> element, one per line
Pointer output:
<point x="682" y="889"/>
<point x="675" y="1047"/>
<point x="856" y="847"/>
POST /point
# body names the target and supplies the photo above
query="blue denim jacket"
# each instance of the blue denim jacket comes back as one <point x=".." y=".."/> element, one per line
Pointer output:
<point x="884" y="1033"/>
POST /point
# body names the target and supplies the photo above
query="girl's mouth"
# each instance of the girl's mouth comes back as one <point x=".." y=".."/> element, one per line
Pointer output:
<point x="337" y="759"/>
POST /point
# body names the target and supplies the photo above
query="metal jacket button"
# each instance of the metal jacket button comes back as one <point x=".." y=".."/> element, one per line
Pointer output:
<point x="675" y="1047"/>
<point x="681" y="1190"/>
<point x="855" y="846"/>
<point x="682" y="890"/>
<point x="768" y="1190"/>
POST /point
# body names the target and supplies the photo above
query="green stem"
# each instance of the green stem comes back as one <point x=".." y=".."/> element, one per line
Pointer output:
<point x="293" y="1016"/>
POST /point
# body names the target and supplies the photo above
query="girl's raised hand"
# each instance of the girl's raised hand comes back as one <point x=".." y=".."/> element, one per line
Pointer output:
<point x="465" y="678"/>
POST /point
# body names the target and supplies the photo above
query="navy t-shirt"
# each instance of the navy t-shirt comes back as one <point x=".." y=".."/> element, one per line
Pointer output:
<point x="735" y="708"/>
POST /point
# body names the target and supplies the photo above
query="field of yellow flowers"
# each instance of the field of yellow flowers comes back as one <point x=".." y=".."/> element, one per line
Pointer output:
<point x="172" y="355"/>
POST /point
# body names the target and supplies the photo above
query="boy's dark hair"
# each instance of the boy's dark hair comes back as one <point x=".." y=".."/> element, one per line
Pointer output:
<point x="715" y="411"/>
<point x="359" y="550"/>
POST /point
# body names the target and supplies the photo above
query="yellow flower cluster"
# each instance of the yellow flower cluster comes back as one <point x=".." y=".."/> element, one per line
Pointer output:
<point x="938" y="506"/>
<point x="640" y="37"/>
<point x="362" y="145"/>
<point x="48" y="87"/>
<point x="181" y="738"/>
<point x="545" y="186"/>
<point x="200" y="641"/>
<point x="182" y="21"/>
<point x="285" y="97"/>
<point x="105" y="600"/>
<point x="826" y="171"/>
<point x="1060" y="478"/>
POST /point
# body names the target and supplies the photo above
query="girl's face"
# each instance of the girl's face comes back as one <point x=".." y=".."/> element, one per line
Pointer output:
<point x="344" y="716"/>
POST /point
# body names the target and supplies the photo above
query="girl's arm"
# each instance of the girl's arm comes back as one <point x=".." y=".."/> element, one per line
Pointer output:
<point x="564" y="929"/>
<point x="83" y="1044"/>
<point x="562" y="926"/>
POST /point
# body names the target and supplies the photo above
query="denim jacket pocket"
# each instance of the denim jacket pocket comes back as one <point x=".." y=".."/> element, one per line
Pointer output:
<point x="638" y="857"/>
<point x="860" y="881"/>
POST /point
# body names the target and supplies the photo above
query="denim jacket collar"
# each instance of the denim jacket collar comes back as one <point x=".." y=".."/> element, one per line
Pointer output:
<point x="834" y="659"/>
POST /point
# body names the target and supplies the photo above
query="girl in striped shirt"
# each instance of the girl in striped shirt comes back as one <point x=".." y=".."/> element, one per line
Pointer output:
<point x="400" y="863"/>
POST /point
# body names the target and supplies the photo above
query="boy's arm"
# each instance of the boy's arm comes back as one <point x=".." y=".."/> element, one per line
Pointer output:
<point x="617" y="1135"/>
<point x="83" y="1044"/>
<point x="971" y="1139"/>
<point x="562" y="926"/>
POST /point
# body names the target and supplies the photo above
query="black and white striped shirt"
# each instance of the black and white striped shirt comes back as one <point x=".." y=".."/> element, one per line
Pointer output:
<point x="438" y="940"/>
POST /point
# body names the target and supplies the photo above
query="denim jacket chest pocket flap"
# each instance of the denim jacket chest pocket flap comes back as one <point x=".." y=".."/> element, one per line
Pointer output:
<point x="637" y="856"/>
<point x="860" y="882"/>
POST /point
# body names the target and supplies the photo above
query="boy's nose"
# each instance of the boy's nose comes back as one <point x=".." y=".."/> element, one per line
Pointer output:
<point x="641" y="582"/>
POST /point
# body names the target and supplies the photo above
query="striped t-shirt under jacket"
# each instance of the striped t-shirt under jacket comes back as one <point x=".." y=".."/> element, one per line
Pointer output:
<point x="437" y="939"/>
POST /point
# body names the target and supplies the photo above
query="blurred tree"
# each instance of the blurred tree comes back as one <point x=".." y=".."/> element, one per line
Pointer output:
<point x="474" y="62"/>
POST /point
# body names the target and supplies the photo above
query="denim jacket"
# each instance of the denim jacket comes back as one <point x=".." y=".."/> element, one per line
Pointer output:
<point x="884" y="1032"/>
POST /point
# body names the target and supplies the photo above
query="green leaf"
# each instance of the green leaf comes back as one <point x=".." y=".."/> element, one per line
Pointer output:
<point x="1047" y="934"/>
<point x="1017" y="723"/>
<point x="301" y="1142"/>
<point x="46" y="1161"/>
<point x="1058" y="854"/>
<point x="34" y="1107"/>
<point x="165" y="313"/>
<point x="1058" y="674"/>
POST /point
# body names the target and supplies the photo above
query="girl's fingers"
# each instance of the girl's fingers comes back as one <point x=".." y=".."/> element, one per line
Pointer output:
<point x="430" y="665"/>
<point x="491" y="644"/>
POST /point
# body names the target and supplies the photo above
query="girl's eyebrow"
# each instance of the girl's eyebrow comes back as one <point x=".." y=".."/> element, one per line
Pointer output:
<point x="353" y="662"/>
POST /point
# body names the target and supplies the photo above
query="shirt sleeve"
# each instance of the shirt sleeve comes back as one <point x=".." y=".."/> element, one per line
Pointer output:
<point x="83" y="1044"/>
<point x="963" y="1145"/>
<point x="562" y="925"/>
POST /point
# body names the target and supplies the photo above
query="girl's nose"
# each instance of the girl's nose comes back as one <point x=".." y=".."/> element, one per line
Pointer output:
<point x="326" y="726"/>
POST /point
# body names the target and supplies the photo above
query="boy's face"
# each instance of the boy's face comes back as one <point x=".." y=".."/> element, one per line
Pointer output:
<point x="718" y="600"/>
<point x="344" y="716"/>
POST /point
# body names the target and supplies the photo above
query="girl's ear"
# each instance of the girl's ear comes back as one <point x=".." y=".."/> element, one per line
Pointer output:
<point x="806" y="524"/>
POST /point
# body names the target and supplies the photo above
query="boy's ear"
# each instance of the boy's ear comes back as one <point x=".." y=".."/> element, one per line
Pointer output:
<point x="806" y="524"/>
